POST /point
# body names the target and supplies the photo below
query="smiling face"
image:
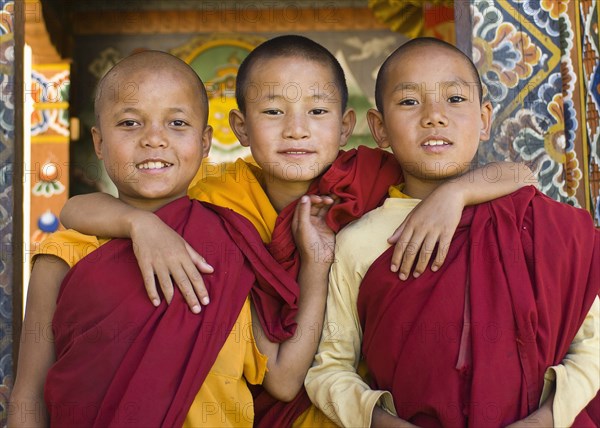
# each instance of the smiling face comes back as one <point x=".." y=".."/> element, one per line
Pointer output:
<point x="151" y="130"/>
<point x="293" y="121"/>
<point x="432" y="120"/>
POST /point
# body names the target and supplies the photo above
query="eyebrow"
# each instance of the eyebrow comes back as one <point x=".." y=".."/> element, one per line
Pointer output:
<point x="313" y="95"/>
<point x="416" y="87"/>
<point x="127" y="110"/>
<point x="134" y="110"/>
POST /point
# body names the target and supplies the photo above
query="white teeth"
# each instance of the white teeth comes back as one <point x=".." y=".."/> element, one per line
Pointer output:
<point x="435" y="143"/>
<point x="153" y="165"/>
<point x="296" y="153"/>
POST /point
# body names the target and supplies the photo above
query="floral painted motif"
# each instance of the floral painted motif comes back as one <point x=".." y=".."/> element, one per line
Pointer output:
<point x="523" y="51"/>
<point x="50" y="89"/>
<point x="544" y="13"/>
<point x="591" y="78"/>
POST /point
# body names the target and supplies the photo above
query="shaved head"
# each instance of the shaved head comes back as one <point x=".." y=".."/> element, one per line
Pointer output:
<point x="121" y="75"/>
<point x="421" y="43"/>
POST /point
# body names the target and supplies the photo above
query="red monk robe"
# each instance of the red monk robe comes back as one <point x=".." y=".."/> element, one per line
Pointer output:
<point x="122" y="362"/>
<point x="361" y="179"/>
<point x="469" y="345"/>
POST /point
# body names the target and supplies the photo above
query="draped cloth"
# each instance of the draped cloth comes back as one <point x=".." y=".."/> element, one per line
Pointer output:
<point x="469" y="345"/>
<point x="360" y="178"/>
<point x="122" y="362"/>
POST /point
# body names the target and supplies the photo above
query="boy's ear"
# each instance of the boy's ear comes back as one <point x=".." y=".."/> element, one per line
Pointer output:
<point x="486" y="121"/>
<point x="377" y="127"/>
<point x="97" y="139"/>
<point x="237" y="122"/>
<point x="206" y="140"/>
<point x="348" y="124"/>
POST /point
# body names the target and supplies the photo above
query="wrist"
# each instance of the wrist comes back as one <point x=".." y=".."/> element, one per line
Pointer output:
<point x="138" y="221"/>
<point x="458" y="189"/>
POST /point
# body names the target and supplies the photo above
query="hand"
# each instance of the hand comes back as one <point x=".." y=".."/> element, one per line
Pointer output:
<point x="161" y="251"/>
<point x="311" y="233"/>
<point x="433" y="222"/>
<point x="381" y="418"/>
<point x="541" y="418"/>
<point x="538" y="419"/>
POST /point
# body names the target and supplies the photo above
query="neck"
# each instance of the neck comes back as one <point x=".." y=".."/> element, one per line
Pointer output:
<point x="150" y="205"/>
<point x="282" y="194"/>
<point x="419" y="188"/>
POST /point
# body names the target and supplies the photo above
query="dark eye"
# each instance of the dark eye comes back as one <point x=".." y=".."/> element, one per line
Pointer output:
<point x="318" y="111"/>
<point x="178" y="123"/>
<point x="456" y="99"/>
<point x="128" y="123"/>
<point x="273" y="112"/>
<point x="408" y="102"/>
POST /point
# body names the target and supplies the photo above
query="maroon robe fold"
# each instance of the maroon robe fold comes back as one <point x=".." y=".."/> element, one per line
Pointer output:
<point x="361" y="179"/>
<point x="122" y="362"/>
<point x="469" y="345"/>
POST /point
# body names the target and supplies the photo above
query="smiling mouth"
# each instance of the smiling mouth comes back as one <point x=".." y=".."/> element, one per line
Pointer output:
<point x="436" y="143"/>
<point x="153" y="165"/>
<point x="297" y="152"/>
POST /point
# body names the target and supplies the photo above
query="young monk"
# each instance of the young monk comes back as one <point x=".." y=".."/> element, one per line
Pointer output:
<point x="496" y="336"/>
<point x="111" y="357"/>
<point x="293" y="114"/>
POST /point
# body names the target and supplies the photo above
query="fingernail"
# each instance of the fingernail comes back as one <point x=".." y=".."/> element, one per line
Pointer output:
<point x="394" y="268"/>
<point x="304" y="199"/>
<point x="156" y="302"/>
<point x="196" y="309"/>
<point x="434" y="268"/>
<point x="416" y="274"/>
<point x="205" y="301"/>
<point x="402" y="276"/>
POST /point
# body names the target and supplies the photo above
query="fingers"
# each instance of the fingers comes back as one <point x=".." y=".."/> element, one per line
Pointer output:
<point x="199" y="261"/>
<point x="150" y="285"/>
<point x="311" y="205"/>
<point x="320" y="205"/>
<point x="442" y="251"/>
<point x="397" y="234"/>
<point x="185" y="274"/>
<point x="164" y="280"/>
<point x="424" y="256"/>
<point x="411" y="249"/>
<point x="303" y="211"/>
<point x="416" y="250"/>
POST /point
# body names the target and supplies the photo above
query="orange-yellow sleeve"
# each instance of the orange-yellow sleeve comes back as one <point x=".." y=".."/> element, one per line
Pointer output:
<point x="255" y="363"/>
<point x="68" y="245"/>
<point x="236" y="185"/>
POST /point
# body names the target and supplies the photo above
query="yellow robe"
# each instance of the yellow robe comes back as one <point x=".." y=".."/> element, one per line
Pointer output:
<point x="238" y="186"/>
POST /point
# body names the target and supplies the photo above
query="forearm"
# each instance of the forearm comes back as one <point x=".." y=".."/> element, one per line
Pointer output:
<point x="27" y="407"/>
<point x="289" y="364"/>
<point x="492" y="181"/>
<point x="101" y="214"/>
<point x="332" y="382"/>
<point x="381" y="418"/>
<point x="27" y="412"/>
<point x="575" y="380"/>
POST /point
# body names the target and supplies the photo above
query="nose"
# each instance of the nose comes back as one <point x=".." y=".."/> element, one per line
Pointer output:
<point x="154" y="137"/>
<point x="296" y="126"/>
<point x="434" y="115"/>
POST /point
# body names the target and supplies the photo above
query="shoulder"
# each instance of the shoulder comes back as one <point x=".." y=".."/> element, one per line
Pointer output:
<point x="218" y="177"/>
<point x="68" y="245"/>
<point x="365" y="239"/>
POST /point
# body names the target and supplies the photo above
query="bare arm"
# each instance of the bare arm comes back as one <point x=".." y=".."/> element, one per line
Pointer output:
<point x="159" y="250"/>
<point x="36" y="355"/>
<point x="541" y="418"/>
<point x="289" y="361"/>
<point x="381" y="418"/>
<point x="434" y="221"/>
